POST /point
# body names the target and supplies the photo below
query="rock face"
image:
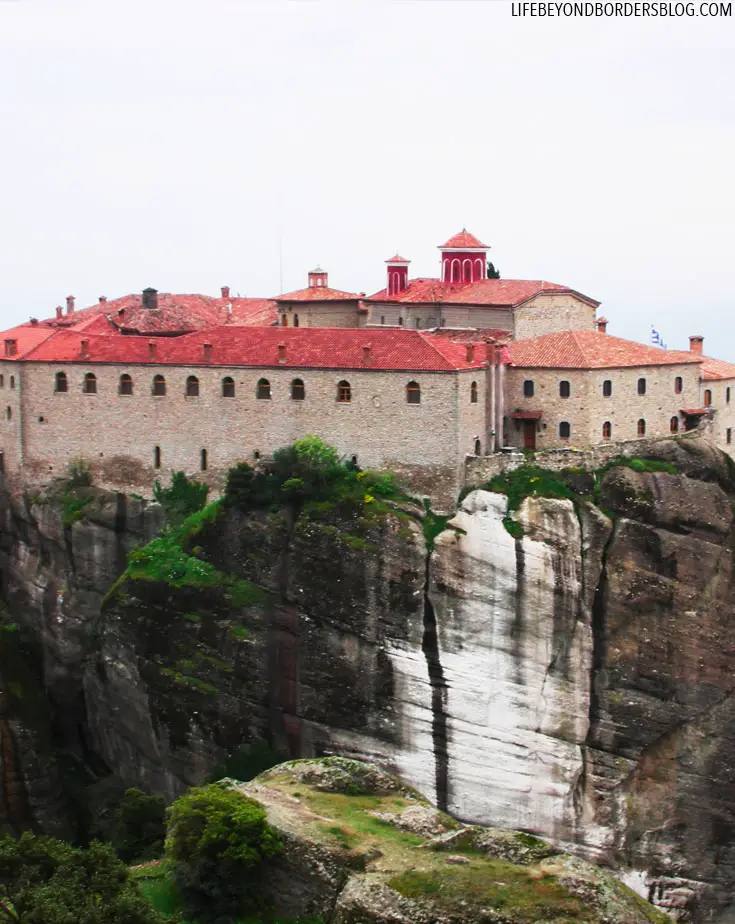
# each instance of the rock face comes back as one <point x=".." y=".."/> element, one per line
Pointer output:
<point x="573" y="679"/>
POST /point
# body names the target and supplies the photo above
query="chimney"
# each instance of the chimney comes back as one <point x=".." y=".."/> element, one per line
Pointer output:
<point x="491" y="353"/>
<point x="34" y="322"/>
<point x="207" y="348"/>
<point x="470" y="352"/>
<point x="281" y="352"/>
<point x="696" y="344"/>
<point x="103" y="299"/>
<point x="59" y="312"/>
<point x="11" y="347"/>
<point x="225" y="291"/>
<point x="85" y="349"/>
<point x="150" y="298"/>
<point x="318" y="279"/>
<point x="151" y="349"/>
<point x="70" y="304"/>
<point x="602" y="325"/>
<point x="367" y="354"/>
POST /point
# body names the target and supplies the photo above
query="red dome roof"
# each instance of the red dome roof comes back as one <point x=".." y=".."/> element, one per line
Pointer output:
<point x="463" y="241"/>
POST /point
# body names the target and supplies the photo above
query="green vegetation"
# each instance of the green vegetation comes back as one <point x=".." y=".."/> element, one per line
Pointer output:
<point x="513" y="527"/>
<point x="78" y="473"/>
<point x="45" y="881"/>
<point x="217" y="842"/>
<point x="532" y="895"/>
<point x="433" y="524"/>
<point x="73" y="507"/>
<point x="248" y="761"/>
<point x="136" y="828"/>
<point x="529" y="481"/>
<point x="183" y="498"/>
<point x="638" y="465"/>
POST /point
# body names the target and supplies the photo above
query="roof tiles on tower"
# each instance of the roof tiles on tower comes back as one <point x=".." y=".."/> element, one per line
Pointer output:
<point x="589" y="349"/>
<point x="398" y="259"/>
<point x="317" y="348"/>
<point x="463" y="241"/>
<point x="318" y="294"/>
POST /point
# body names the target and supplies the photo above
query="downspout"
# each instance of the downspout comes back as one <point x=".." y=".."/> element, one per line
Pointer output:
<point x="490" y="396"/>
<point x="21" y="421"/>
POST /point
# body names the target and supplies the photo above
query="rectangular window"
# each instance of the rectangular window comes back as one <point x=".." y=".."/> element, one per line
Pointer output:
<point x="528" y="389"/>
<point x="729" y="435"/>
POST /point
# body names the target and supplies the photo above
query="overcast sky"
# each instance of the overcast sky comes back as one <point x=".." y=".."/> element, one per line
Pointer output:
<point x="172" y="143"/>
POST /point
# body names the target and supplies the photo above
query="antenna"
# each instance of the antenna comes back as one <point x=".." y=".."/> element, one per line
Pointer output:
<point x="280" y="261"/>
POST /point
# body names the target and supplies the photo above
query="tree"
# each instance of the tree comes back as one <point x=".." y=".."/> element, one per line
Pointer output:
<point x="217" y="841"/>
<point x="184" y="497"/>
<point x="45" y="881"/>
<point x="137" y="831"/>
<point x="492" y="273"/>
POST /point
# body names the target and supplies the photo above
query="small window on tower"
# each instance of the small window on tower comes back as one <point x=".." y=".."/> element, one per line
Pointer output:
<point x="528" y="389"/>
<point x="125" y="386"/>
<point x="192" y="387"/>
<point x="607" y="388"/>
<point x="565" y="389"/>
<point x="263" y="390"/>
<point x="473" y="393"/>
<point x="565" y="430"/>
<point x="90" y="384"/>
<point x="298" y="391"/>
<point x="228" y="387"/>
<point x="413" y="393"/>
<point x="678" y="385"/>
<point x="159" y="386"/>
<point x="641" y="386"/>
<point x="707" y="397"/>
<point x="60" y="383"/>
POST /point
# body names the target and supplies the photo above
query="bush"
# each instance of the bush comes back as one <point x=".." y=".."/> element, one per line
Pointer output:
<point x="218" y="840"/>
<point x="137" y="831"/>
<point x="184" y="497"/>
<point x="45" y="881"/>
<point x="78" y="473"/>
<point x="527" y="481"/>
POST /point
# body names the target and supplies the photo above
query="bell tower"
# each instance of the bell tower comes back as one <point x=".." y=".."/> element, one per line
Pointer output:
<point x="464" y="259"/>
<point x="397" y="274"/>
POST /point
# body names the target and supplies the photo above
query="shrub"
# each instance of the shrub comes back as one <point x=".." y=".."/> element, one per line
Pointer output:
<point x="218" y="840"/>
<point x="49" y="881"/>
<point x="527" y="481"/>
<point x="137" y="831"/>
<point x="78" y="473"/>
<point x="184" y="497"/>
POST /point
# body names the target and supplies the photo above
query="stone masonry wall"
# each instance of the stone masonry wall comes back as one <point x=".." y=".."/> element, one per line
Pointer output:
<point x="587" y="408"/>
<point x="118" y="434"/>
<point x="322" y="314"/>
<point x="546" y="314"/>
<point x="723" y="400"/>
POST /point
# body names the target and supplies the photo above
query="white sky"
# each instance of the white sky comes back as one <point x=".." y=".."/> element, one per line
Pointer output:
<point x="171" y="142"/>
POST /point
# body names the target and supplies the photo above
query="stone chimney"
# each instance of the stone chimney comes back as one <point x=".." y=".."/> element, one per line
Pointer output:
<point x="602" y="325"/>
<point x="150" y="298"/>
<point x="470" y="347"/>
<point x="281" y="352"/>
<point x="367" y="354"/>
<point x="225" y="291"/>
<point x="11" y="347"/>
<point x="207" y="349"/>
<point x="152" y="349"/>
<point x="85" y="349"/>
<point x="103" y="299"/>
<point x="696" y="344"/>
<point x="34" y="322"/>
<point x="70" y="304"/>
<point x="59" y="312"/>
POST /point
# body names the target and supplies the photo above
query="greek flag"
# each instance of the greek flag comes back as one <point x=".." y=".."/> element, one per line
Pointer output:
<point x="656" y="338"/>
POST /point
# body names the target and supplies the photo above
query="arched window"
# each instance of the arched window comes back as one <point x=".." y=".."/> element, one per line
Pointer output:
<point x="125" y="386"/>
<point x="413" y="393"/>
<point x="295" y="320"/>
<point x="641" y="428"/>
<point x="159" y="386"/>
<point x="607" y="430"/>
<point x="529" y="389"/>
<point x="607" y="388"/>
<point x="565" y="430"/>
<point x="641" y="386"/>
<point x="467" y="270"/>
<point x="707" y="397"/>
<point x="263" y="390"/>
<point x="284" y="320"/>
<point x="228" y="387"/>
<point x="60" y="383"/>
<point x="298" y="391"/>
<point x="344" y="392"/>
<point x="473" y="393"/>
<point x="674" y="425"/>
<point x="678" y="385"/>
<point x="157" y="457"/>
<point x="565" y="389"/>
<point x="478" y="448"/>
<point x="455" y="270"/>
<point x="192" y="387"/>
<point x="89" y="386"/>
<point x="203" y="460"/>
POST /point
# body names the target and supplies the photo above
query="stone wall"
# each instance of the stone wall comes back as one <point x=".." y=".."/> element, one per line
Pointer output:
<point x="322" y="314"/>
<point x="545" y="314"/>
<point x="587" y="409"/>
<point x="723" y="423"/>
<point x="118" y="434"/>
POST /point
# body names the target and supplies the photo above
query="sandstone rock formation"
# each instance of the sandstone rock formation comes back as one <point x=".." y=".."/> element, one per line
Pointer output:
<point x="574" y="680"/>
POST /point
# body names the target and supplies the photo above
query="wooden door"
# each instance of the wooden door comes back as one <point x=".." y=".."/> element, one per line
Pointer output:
<point x="529" y="434"/>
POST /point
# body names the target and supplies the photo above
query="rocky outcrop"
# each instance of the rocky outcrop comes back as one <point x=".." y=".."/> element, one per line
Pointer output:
<point x="569" y="674"/>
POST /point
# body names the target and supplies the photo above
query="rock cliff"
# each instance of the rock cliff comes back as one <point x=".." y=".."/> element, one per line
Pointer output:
<point x="571" y="677"/>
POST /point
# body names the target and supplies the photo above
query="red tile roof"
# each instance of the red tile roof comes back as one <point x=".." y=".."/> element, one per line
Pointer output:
<point x="398" y="259"/>
<point x="318" y="348"/>
<point x="510" y="292"/>
<point x="463" y="241"/>
<point x="589" y="349"/>
<point x="174" y="314"/>
<point x="27" y="337"/>
<point x="716" y="369"/>
<point x="318" y="294"/>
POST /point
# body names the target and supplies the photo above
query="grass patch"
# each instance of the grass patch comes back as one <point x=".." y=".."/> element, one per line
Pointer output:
<point x="530" y="895"/>
<point x="513" y="527"/>
<point x="529" y="481"/>
<point x="73" y="507"/>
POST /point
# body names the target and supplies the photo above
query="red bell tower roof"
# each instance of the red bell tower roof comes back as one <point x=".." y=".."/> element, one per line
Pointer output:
<point x="463" y="241"/>
<point x="398" y="259"/>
